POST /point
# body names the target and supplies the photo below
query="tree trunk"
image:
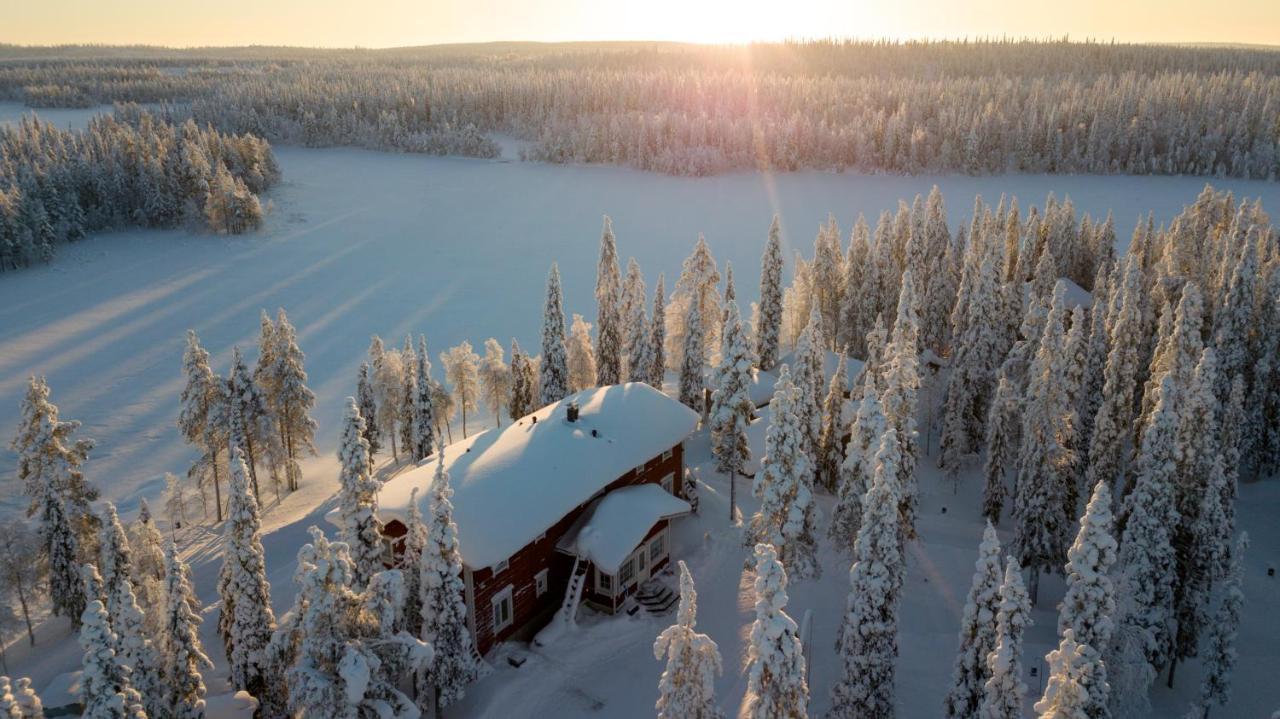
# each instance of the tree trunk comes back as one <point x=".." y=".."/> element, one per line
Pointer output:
<point x="26" y="613"/>
<point x="217" y="489"/>
<point x="1035" y="584"/>
<point x="253" y="466"/>
<point x="464" y="420"/>
<point x="1173" y="664"/>
<point x="395" y="456"/>
<point x="733" y="495"/>
<point x="449" y="427"/>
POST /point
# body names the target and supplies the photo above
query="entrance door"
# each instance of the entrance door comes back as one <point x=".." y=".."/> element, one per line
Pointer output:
<point x="642" y="565"/>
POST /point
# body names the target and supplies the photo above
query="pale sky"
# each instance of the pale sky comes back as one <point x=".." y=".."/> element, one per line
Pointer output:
<point x="391" y="23"/>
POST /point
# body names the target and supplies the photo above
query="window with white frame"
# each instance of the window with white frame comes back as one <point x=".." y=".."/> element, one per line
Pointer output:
<point x="540" y="583"/>
<point x="503" y="611"/>
<point x="657" y="547"/>
<point x="604" y="583"/>
<point x="667" y="454"/>
<point x="627" y="572"/>
<point x="669" y="482"/>
<point x="641" y="559"/>
<point x="501" y="567"/>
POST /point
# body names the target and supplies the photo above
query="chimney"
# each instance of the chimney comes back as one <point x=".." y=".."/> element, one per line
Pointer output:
<point x="572" y="411"/>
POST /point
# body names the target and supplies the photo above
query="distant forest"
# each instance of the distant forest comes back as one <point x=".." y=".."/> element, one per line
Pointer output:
<point x="976" y="107"/>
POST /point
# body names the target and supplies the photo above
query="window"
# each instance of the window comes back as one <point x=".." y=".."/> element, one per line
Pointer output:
<point x="502" y="610"/>
<point x="540" y="583"/>
<point x="627" y="572"/>
<point x="667" y="454"/>
<point x="604" y="582"/>
<point x="641" y="560"/>
<point x="657" y="547"/>
<point x="668" y="482"/>
<point x="500" y="567"/>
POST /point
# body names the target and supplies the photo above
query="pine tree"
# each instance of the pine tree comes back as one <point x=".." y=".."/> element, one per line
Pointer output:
<point x="609" y="349"/>
<point x="692" y="358"/>
<point x="731" y="407"/>
<point x="294" y="400"/>
<point x="388" y="385"/>
<point x="686" y="689"/>
<point x="787" y="514"/>
<point x="424" y="412"/>
<point x="183" y="654"/>
<point x="495" y="380"/>
<point x="1087" y="611"/>
<point x="247" y="410"/>
<point x="581" y="358"/>
<point x="1003" y="693"/>
<point x="523" y="383"/>
<point x="1002" y="447"/>
<point x="105" y="692"/>
<point x="444" y="607"/>
<point x="1119" y="378"/>
<point x="868" y="638"/>
<point x="409" y="384"/>
<point x="697" y="284"/>
<point x="974" y="361"/>
<point x="358" y="498"/>
<point x="834" y="421"/>
<point x="554" y="368"/>
<point x="114" y="562"/>
<point x="658" y="337"/>
<point x="828" y="278"/>
<point x="66" y="589"/>
<point x="1219" y="651"/>
<point x="1068" y="693"/>
<point x="635" y="322"/>
<point x="49" y="456"/>
<point x="25" y="697"/>
<point x="977" y="632"/>
<point x="368" y="404"/>
<point x="902" y="383"/>
<point x="1095" y="367"/>
<point x="246" y="620"/>
<point x="809" y="376"/>
<point x="409" y="562"/>
<point x="858" y="468"/>
<point x="776" y="682"/>
<point x="854" y="319"/>
<point x="134" y="651"/>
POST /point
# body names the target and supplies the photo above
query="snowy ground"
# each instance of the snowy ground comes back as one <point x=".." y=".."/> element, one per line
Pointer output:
<point x="363" y="242"/>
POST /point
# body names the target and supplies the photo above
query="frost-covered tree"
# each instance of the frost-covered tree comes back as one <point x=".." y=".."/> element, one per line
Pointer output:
<point x="1003" y="693"/>
<point x="770" y="325"/>
<point x="899" y="398"/>
<point x="698" y="283"/>
<point x="368" y="403"/>
<point x="787" y="514"/>
<point x="409" y="383"/>
<point x="974" y="359"/>
<point x="1088" y="609"/>
<point x="777" y="687"/>
<point x="49" y="455"/>
<point x="61" y="552"/>
<point x="462" y="369"/>
<point x="134" y="650"/>
<point x="444" y="606"/>
<point x="21" y="571"/>
<point x="423" y="431"/>
<point x="635" y="322"/>
<point x="388" y="388"/>
<point x="1002" y="433"/>
<point x="686" y="689"/>
<point x="657" y="366"/>
<point x="183" y="654"/>
<point x="692" y="359"/>
<point x="808" y="373"/>
<point x="1119" y="377"/>
<point x="858" y="467"/>
<point x="524" y="381"/>
<point x="24" y="696"/>
<point x="581" y="358"/>
<point x="203" y="407"/>
<point x="1067" y="692"/>
<point x="495" y="380"/>
<point x="293" y="401"/>
<point x="247" y="413"/>
<point x="554" y="369"/>
<point x="834" y="421"/>
<point x="409" y="563"/>
<point x="115" y="562"/>
<point x="609" y="335"/>
<point x="246" y="621"/>
<point x="105" y="692"/>
<point x="358" y="497"/>
<point x="868" y="638"/>
<point x="731" y="407"/>
<point x="977" y="632"/>
<point x="1219" y="651"/>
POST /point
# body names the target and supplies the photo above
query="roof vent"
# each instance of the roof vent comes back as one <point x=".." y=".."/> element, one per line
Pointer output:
<point x="573" y="411"/>
<point x="595" y="433"/>
<point x="535" y="419"/>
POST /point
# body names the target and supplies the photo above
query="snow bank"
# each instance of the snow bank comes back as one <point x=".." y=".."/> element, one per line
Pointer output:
<point x="512" y="484"/>
<point x="616" y="523"/>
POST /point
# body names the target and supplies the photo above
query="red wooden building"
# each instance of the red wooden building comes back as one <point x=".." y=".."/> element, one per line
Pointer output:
<point x="580" y="490"/>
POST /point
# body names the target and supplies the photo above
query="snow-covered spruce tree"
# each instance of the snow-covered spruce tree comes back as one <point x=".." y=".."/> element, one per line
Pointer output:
<point x="66" y="589"/>
<point x="698" y="282"/>
<point x="48" y="455"/>
<point x="868" y="638"/>
<point x="1233" y="321"/>
<point x="1178" y="352"/>
<point x="858" y="467"/>
<point x="901" y="386"/>
<point x="609" y="337"/>
<point x="202" y="409"/>
<point x="147" y="571"/>
<point x="368" y="403"/>
<point x="1068" y="693"/>
<point x="834" y="421"/>
<point x="462" y="369"/>
<point x="634" y="318"/>
<point x="1147" y="561"/>
<point x="1096" y="359"/>
<point x="24" y="696"/>
<point x="977" y="632"/>
<point x="776" y="684"/>
<point x="115" y="562"/>
<point x="554" y="369"/>
<point x="424" y="409"/>
<point x="1219" y="651"/>
<point x="183" y="654"/>
<point x="1089" y="607"/>
<point x="522" y="381"/>
<point x="692" y="359"/>
<point x="1003" y="693"/>
<point x="809" y="378"/>
<point x="444" y="606"/>
<point x="246" y="621"/>
<point x="409" y="563"/>
<point x="294" y="400"/>
<point x="686" y="689"/>
<point x="495" y="380"/>
<point x="247" y="410"/>
<point x="974" y="361"/>
<point x="731" y="407"/>
<point x="787" y="515"/>
<point x="134" y="651"/>
<point x="358" y="497"/>
<point x="828" y="283"/>
<point x="1002" y="434"/>
<point x="657" y="367"/>
<point x="105" y="692"/>
<point x="1046" y="467"/>
<point x="410" y="382"/>
<point x="854" y="322"/>
<point x="1119" y="378"/>
<point x="581" y="358"/>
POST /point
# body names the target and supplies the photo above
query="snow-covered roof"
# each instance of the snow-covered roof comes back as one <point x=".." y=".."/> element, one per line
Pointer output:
<point x="616" y="523"/>
<point x="513" y="483"/>
<point x="830" y="360"/>
<point x="760" y="390"/>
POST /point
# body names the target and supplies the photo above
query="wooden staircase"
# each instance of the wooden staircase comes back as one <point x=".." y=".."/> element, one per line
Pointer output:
<point x="657" y="598"/>
<point x="573" y="593"/>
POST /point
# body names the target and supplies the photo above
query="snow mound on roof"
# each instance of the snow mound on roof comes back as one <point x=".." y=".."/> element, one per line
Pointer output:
<point x="616" y="524"/>
<point x="512" y="484"/>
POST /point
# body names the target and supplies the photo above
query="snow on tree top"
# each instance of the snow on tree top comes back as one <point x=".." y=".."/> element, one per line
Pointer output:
<point x="512" y="484"/>
<point x="617" y="522"/>
<point x="830" y="361"/>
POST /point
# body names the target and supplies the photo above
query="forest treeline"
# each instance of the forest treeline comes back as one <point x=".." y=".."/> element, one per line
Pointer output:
<point x="130" y="169"/>
<point x="976" y="107"/>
